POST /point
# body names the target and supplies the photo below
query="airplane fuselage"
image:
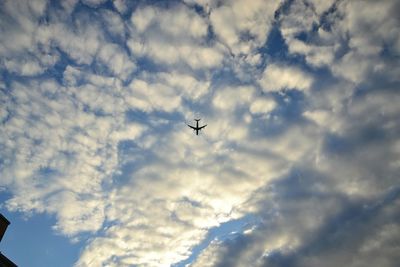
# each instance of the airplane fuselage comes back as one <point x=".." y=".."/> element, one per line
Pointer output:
<point x="197" y="128"/>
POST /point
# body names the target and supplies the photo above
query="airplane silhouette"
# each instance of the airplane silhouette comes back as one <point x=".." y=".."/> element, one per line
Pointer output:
<point x="197" y="128"/>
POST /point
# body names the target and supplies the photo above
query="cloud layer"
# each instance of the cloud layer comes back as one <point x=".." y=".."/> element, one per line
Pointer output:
<point x="94" y="100"/>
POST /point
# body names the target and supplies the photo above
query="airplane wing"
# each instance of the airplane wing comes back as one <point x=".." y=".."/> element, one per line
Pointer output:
<point x="202" y="127"/>
<point x="194" y="128"/>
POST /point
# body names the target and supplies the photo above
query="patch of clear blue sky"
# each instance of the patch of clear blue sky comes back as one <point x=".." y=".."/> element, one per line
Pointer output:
<point x="30" y="241"/>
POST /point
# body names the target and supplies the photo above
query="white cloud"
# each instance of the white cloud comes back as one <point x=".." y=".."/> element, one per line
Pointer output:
<point x="229" y="98"/>
<point x="276" y="78"/>
<point x="325" y="119"/>
<point x="243" y="27"/>
<point x="67" y="154"/>
<point x="190" y="87"/>
<point x="148" y="96"/>
<point x="117" y="60"/>
<point x="103" y="145"/>
<point x="163" y="52"/>
<point x="354" y="40"/>
<point x="175" y="203"/>
<point x="81" y="47"/>
<point x="25" y="68"/>
<point x="262" y="106"/>
<point x="158" y="34"/>
<point x="19" y="23"/>
<point x="114" y="22"/>
<point x="315" y="55"/>
<point x="322" y="5"/>
<point x="121" y="6"/>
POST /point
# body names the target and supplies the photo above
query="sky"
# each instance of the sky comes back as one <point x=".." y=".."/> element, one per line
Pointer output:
<point x="298" y="165"/>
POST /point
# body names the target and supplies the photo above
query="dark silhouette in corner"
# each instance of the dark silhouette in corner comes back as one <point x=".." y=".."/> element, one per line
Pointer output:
<point x="197" y="128"/>
<point x="4" y="261"/>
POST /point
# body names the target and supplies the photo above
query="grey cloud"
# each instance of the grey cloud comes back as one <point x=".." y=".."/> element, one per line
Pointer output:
<point x="307" y="144"/>
<point x="304" y="225"/>
<point x="357" y="236"/>
<point x="339" y="204"/>
<point x="349" y="38"/>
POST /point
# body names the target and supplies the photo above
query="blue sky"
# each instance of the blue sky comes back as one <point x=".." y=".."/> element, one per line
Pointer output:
<point x="298" y="165"/>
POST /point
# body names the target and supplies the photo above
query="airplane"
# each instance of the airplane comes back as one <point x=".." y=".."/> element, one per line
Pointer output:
<point x="197" y="128"/>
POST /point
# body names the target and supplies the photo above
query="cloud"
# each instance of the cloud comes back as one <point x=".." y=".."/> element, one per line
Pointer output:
<point x="67" y="152"/>
<point x="306" y="223"/>
<point x="231" y="98"/>
<point x="158" y="34"/>
<point x="242" y="27"/>
<point x="262" y="106"/>
<point x="19" y="24"/>
<point x="190" y="86"/>
<point x="94" y="102"/>
<point x="121" y="6"/>
<point x="117" y="61"/>
<point x="276" y="78"/>
<point x="188" y="201"/>
<point x="341" y="42"/>
<point x="24" y="68"/>
<point x="114" y="23"/>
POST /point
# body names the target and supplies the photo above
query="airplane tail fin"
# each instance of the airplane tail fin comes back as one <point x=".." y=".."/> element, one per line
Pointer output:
<point x="197" y="119"/>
